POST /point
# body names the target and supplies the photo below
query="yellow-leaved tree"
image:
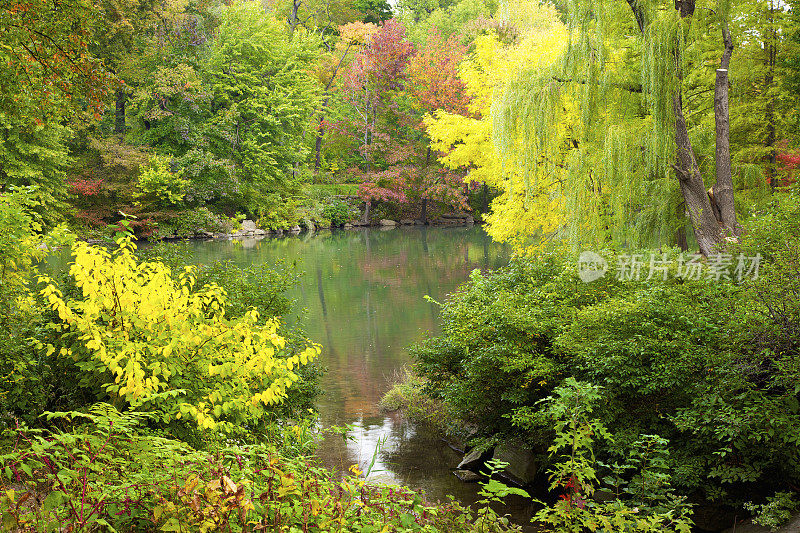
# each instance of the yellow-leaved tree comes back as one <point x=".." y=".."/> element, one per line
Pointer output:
<point x="163" y="345"/>
<point x="527" y="212"/>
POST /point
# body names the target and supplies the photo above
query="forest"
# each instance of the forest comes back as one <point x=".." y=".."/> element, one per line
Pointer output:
<point x="634" y="365"/>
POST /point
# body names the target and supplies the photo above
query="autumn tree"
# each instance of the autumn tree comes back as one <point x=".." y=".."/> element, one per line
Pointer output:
<point x="525" y="210"/>
<point x="370" y="88"/>
<point x="45" y="65"/>
<point x="352" y="38"/>
<point x="47" y="75"/>
<point x="613" y="118"/>
<point x="436" y="86"/>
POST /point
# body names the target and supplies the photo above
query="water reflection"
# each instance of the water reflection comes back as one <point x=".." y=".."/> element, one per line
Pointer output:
<point x="363" y="292"/>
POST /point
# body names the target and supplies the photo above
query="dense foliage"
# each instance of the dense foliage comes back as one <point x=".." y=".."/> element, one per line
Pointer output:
<point x="104" y="473"/>
<point x="139" y="394"/>
<point x="709" y="364"/>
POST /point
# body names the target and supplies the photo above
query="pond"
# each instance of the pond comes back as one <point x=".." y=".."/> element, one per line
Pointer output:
<point x="364" y="293"/>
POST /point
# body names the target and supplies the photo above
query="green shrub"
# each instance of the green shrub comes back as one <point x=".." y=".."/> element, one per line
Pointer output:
<point x="641" y="496"/>
<point x="338" y="211"/>
<point x="407" y="394"/>
<point x="102" y="471"/>
<point x="190" y="223"/>
<point x="159" y="184"/>
<point x="704" y="364"/>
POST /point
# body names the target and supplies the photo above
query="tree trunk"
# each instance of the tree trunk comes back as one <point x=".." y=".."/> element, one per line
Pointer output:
<point x="695" y="196"/>
<point x="318" y="147"/>
<point x="320" y="135"/>
<point x="424" y="214"/>
<point x="722" y="190"/>
<point x="119" y="114"/>
<point x="294" y="18"/>
<point x="365" y="220"/>
<point x="708" y="229"/>
<point x="485" y="198"/>
<point x="770" y="51"/>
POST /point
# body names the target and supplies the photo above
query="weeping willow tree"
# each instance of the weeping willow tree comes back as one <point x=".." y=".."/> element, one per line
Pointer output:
<point x="607" y="126"/>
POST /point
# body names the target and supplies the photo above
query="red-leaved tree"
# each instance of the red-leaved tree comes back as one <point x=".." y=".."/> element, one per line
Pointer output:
<point x="370" y="86"/>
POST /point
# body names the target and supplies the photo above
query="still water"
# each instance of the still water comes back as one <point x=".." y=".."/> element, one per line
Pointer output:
<point x="363" y="291"/>
<point x="363" y="294"/>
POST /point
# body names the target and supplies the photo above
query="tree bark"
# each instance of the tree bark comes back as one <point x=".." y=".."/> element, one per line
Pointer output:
<point x="771" y="52"/>
<point x="693" y="190"/>
<point x="365" y="220"/>
<point x="320" y="135"/>
<point x="424" y="214"/>
<point x="696" y="198"/>
<point x="722" y="190"/>
<point x="294" y="18"/>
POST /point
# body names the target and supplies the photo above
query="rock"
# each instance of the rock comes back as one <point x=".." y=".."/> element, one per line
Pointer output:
<point x="359" y="223"/>
<point x="469" y="221"/>
<point x="387" y="222"/>
<point x="279" y="231"/>
<point x="522" y="465"/>
<point x="793" y="526"/>
<point x="419" y="223"/>
<point x="295" y="229"/>
<point x="206" y="234"/>
<point x="249" y="225"/>
<point x="311" y="227"/>
<point x="474" y="460"/>
<point x="406" y="222"/>
<point x="260" y="232"/>
<point x="239" y="234"/>
<point x="467" y="476"/>
<point x="348" y="226"/>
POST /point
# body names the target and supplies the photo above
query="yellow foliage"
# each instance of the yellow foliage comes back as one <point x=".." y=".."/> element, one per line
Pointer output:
<point x="525" y="213"/>
<point x="168" y="345"/>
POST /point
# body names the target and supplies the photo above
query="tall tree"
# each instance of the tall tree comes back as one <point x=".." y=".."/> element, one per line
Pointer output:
<point x="626" y="153"/>
<point x="46" y="68"/>
<point x="353" y="37"/>
<point x="527" y="210"/>
<point x="370" y="86"/>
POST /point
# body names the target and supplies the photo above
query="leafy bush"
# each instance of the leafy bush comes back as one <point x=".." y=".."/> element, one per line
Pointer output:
<point x="22" y="246"/>
<point x="407" y="395"/>
<point x="161" y="345"/>
<point x="185" y="224"/>
<point x="102" y="471"/>
<point x="642" y="501"/>
<point x="323" y="192"/>
<point x="707" y="365"/>
<point x="338" y="211"/>
<point x="158" y="183"/>
<point x="778" y="509"/>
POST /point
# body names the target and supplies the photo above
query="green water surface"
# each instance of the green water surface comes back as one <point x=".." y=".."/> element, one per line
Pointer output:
<point x="363" y="291"/>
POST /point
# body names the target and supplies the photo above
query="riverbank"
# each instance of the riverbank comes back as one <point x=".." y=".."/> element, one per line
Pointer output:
<point x="249" y="228"/>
